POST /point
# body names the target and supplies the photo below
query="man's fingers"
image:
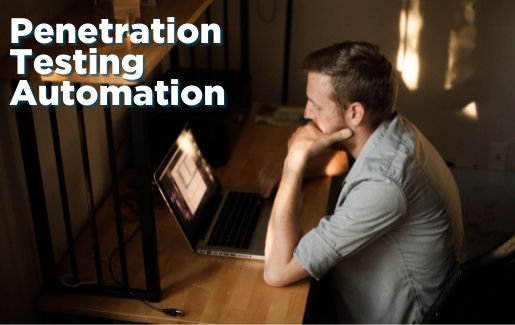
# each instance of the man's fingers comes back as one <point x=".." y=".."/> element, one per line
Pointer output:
<point x="340" y="135"/>
<point x="345" y="134"/>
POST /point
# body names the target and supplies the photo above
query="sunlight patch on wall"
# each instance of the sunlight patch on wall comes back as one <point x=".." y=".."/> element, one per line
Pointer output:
<point x="461" y="44"/>
<point x="470" y="111"/>
<point x="408" y="54"/>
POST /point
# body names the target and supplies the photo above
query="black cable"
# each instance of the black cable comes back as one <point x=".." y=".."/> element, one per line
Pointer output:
<point x="168" y="311"/>
<point x="128" y="201"/>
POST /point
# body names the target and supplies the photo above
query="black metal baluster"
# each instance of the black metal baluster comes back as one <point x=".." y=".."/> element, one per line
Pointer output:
<point x="62" y="188"/>
<point x="36" y="192"/>
<point x="116" y="195"/>
<point x="145" y="203"/>
<point x="89" y="190"/>
<point x="226" y="35"/>
<point x="209" y="48"/>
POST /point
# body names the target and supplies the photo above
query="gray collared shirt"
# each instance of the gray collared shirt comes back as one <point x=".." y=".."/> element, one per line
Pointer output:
<point x="396" y="231"/>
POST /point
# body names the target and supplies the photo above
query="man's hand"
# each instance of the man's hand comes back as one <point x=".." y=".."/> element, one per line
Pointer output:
<point x="328" y="162"/>
<point x="308" y="141"/>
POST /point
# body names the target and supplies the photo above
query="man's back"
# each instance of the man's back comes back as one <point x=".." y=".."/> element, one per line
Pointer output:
<point x="389" y="240"/>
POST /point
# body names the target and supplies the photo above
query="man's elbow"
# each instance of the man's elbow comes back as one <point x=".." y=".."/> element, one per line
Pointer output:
<point x="274" y="279"/>
<point x="280" y="276"/>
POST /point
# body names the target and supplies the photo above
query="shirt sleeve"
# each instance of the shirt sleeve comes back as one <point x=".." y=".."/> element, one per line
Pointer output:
<point x="366" y="209"/>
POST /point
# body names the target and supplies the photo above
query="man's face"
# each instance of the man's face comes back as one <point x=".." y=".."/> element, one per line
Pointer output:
<point x="320" y="109"/>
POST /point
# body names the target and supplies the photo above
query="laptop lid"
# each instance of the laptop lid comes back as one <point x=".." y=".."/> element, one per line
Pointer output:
<point x="189" y="186"/>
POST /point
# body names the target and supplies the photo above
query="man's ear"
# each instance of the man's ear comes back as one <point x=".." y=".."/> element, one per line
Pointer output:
<point x="356" y="114"/>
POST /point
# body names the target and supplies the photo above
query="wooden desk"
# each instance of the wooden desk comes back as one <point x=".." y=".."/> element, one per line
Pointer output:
<point x="208" y="289"/>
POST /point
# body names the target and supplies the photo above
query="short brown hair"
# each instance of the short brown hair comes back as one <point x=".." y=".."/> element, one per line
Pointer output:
<point x="359" y="73"/>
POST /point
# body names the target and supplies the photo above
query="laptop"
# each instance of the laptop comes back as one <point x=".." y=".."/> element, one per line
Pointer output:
<point x="214" y="220"/>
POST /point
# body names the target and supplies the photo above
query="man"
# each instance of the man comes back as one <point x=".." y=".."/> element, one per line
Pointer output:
<point x="396" y="231"/>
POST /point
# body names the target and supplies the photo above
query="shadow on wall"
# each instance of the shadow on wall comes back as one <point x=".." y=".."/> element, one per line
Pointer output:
<point x="488" y="207"/>
<point x="460" y="96"/>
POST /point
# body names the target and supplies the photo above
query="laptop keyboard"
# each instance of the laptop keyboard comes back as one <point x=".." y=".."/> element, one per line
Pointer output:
<point x="237" y="220"/>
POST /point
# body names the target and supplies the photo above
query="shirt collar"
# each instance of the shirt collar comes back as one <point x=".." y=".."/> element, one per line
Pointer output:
<point x="371" y="143"/>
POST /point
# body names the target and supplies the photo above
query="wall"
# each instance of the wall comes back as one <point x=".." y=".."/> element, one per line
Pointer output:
<point x="436" y="111"/>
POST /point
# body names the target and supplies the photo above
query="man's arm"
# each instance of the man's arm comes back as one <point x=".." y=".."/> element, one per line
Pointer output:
<point x="329" y="162"/>
<point x="284" y="232"/>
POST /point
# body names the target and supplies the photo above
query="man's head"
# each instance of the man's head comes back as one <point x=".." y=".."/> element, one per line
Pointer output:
<point x="358" y="73"/>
